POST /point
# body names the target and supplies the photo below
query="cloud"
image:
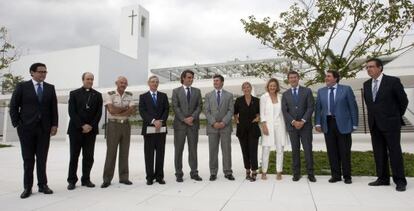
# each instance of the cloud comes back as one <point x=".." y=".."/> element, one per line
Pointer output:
<point x="181" y="32"/>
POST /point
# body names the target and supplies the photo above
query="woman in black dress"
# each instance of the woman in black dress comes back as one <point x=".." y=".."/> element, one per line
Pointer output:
<point x="246" y="115"/>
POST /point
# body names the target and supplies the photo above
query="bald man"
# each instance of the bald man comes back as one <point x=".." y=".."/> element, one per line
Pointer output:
<point x="120" y="107"/>
<point x="85" y="111"/>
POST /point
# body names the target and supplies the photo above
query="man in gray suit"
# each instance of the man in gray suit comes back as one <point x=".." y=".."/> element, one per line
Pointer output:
<point x="187" y="104"/>
<point x="219" y="107"/>
<point x="297" y="108"/>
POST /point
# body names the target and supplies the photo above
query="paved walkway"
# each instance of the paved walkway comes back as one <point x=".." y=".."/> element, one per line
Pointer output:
<point x="190" y="195"/>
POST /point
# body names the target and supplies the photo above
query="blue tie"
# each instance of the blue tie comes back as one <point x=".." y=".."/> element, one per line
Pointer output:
<point x="188" y="95"/>
<point x="295" y="95"/>
<point x="218" y="97"/>
<point x="332" y="101"/>
<point x="154" y="98"/>
<point x="39" y="92"/>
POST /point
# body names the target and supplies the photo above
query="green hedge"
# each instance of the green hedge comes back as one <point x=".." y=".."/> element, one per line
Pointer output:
<point x="362" y="163"/>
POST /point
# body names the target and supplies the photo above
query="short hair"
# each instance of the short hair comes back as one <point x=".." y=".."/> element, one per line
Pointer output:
<point x="335" y="74"/>
<point x="152" y="77"/>
<point x="246" y="83"/>
<point x="292" y="72"/>
<point x="377" y="61"/>
<point x="85" y="73"/>
<point x="33" y="67"/>
<point x="184" y="73"/>
<point x="219" y="76"/>
<point x="270" y="81"/>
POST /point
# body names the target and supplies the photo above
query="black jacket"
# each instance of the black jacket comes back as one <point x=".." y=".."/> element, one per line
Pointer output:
<point x="27" y="111"/>
<point x="85" y="107"/>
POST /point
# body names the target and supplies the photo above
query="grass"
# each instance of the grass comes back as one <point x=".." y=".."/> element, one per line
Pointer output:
<point x="4" y="145"/>
<point x="362" y="163"/>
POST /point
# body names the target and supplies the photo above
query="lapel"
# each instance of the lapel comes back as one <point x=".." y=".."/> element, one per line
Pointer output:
<point x="301" y="94"/>
<point x="339" y="93"/>
<point x="182" y="95"/>
<point x="381" y="87"/>
<point x="368" y="91"/>
<point x="149" y="97"/>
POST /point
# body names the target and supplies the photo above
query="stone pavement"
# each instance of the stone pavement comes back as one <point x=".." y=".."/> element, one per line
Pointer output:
<point x="190" y="195"/>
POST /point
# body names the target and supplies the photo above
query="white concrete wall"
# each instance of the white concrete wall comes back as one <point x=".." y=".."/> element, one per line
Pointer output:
<point x="64" y="67"/>
<point x="113" y="64"/>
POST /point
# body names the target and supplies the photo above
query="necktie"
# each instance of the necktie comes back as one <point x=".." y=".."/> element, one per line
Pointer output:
<point x="375" y="90"/>
<point x="218" y="97"/>
<point x="154" y="98"/>
<point x="39" y="92"/>
<point x="332" y="101"/>
<point x="295" y="95"/>
<point x="188" y="95"/>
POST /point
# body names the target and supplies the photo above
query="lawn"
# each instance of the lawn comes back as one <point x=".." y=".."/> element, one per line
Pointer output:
<point x="362" y="163"/>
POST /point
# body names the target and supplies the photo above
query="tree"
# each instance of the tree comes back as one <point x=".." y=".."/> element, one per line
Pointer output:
<point x="336" y="34"/>
<point x="8" y="54"/>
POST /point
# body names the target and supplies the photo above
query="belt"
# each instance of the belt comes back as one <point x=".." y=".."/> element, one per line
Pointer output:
<point x="122" y="121"/>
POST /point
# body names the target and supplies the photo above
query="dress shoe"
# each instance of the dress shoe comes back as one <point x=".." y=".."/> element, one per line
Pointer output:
<point x="311" y="178"/>
<point x="295" y="178"/>
<point x="160" y="181"/>
<point x="105" y="184"/>
<point x="248" y="177"/>
<point x="334" y="179"/>
<point x="126" y="182"/>
<point x="213" y="177"/>
<point x="45" y="189"/>
<point x="400" y="188"/>
<point x="71" y="186"/>
<point x="26" y="193"/>
<point x="179" y="179"/>
<point x="348" y="181"/>
<point x="88" y="184"/>
<point x="150" y="182"/>
<point x="196" y="178"/>
<point x="264" y="177"/>
<point x="379" y="182"/>
<point x="229" y="177"/>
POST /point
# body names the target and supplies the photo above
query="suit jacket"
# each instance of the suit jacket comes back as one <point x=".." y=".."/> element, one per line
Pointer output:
<point x="183" y="109"/>
<point x="389" y="106"/>
<point x="303" y="109"/>
<point x="219" y="113"/>
<point x="149" y="111"/>
<point x="274" y="121"/>
<point x="346" y="109"/>
<point x="27" y="111"/>
<point x="247" y="113"/>
<point x="85" y="107"/>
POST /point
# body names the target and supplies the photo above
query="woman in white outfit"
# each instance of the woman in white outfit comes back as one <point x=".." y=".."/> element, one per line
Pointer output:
<point x="273" y="127"/>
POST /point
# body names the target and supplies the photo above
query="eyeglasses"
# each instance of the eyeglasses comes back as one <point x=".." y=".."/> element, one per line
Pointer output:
<point x="42" y="72"/>
<point x="370" y="66"/>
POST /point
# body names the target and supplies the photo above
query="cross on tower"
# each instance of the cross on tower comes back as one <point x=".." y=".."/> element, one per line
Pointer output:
<point x="132" y="16"/>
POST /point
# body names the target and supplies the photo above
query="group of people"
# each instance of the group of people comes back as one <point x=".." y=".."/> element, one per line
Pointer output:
<point x="275" y="117"/>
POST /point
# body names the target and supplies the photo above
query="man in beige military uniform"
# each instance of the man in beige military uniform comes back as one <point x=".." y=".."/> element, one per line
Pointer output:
<point x="120" y="106"/>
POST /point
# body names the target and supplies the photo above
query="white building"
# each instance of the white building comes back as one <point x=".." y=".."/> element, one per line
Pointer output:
<point x="65" y="67"/>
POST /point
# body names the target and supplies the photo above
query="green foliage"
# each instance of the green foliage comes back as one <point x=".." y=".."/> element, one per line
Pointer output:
<point x="357" y="29"/>
<point x="8" y="54"/>
<point x="362" y="163"/>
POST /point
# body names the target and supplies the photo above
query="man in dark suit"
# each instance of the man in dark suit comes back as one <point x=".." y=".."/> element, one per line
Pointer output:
<point x="33" y="111"/>
<point x="85" y="111"/>
<point x="187" y="104"/>
<point x="336" y="115"/>
<point x="153" y="108"/>
<point x="297" y="108"/>
<point x="386" y="103"/>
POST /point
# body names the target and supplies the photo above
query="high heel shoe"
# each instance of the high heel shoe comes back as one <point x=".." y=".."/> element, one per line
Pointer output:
<point x="279" y="176"/>
<point x="253" y="177"/>
<point x="248" y="174"/>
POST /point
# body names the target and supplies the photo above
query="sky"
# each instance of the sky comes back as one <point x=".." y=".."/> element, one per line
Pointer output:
<point x="182" y="32"/>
